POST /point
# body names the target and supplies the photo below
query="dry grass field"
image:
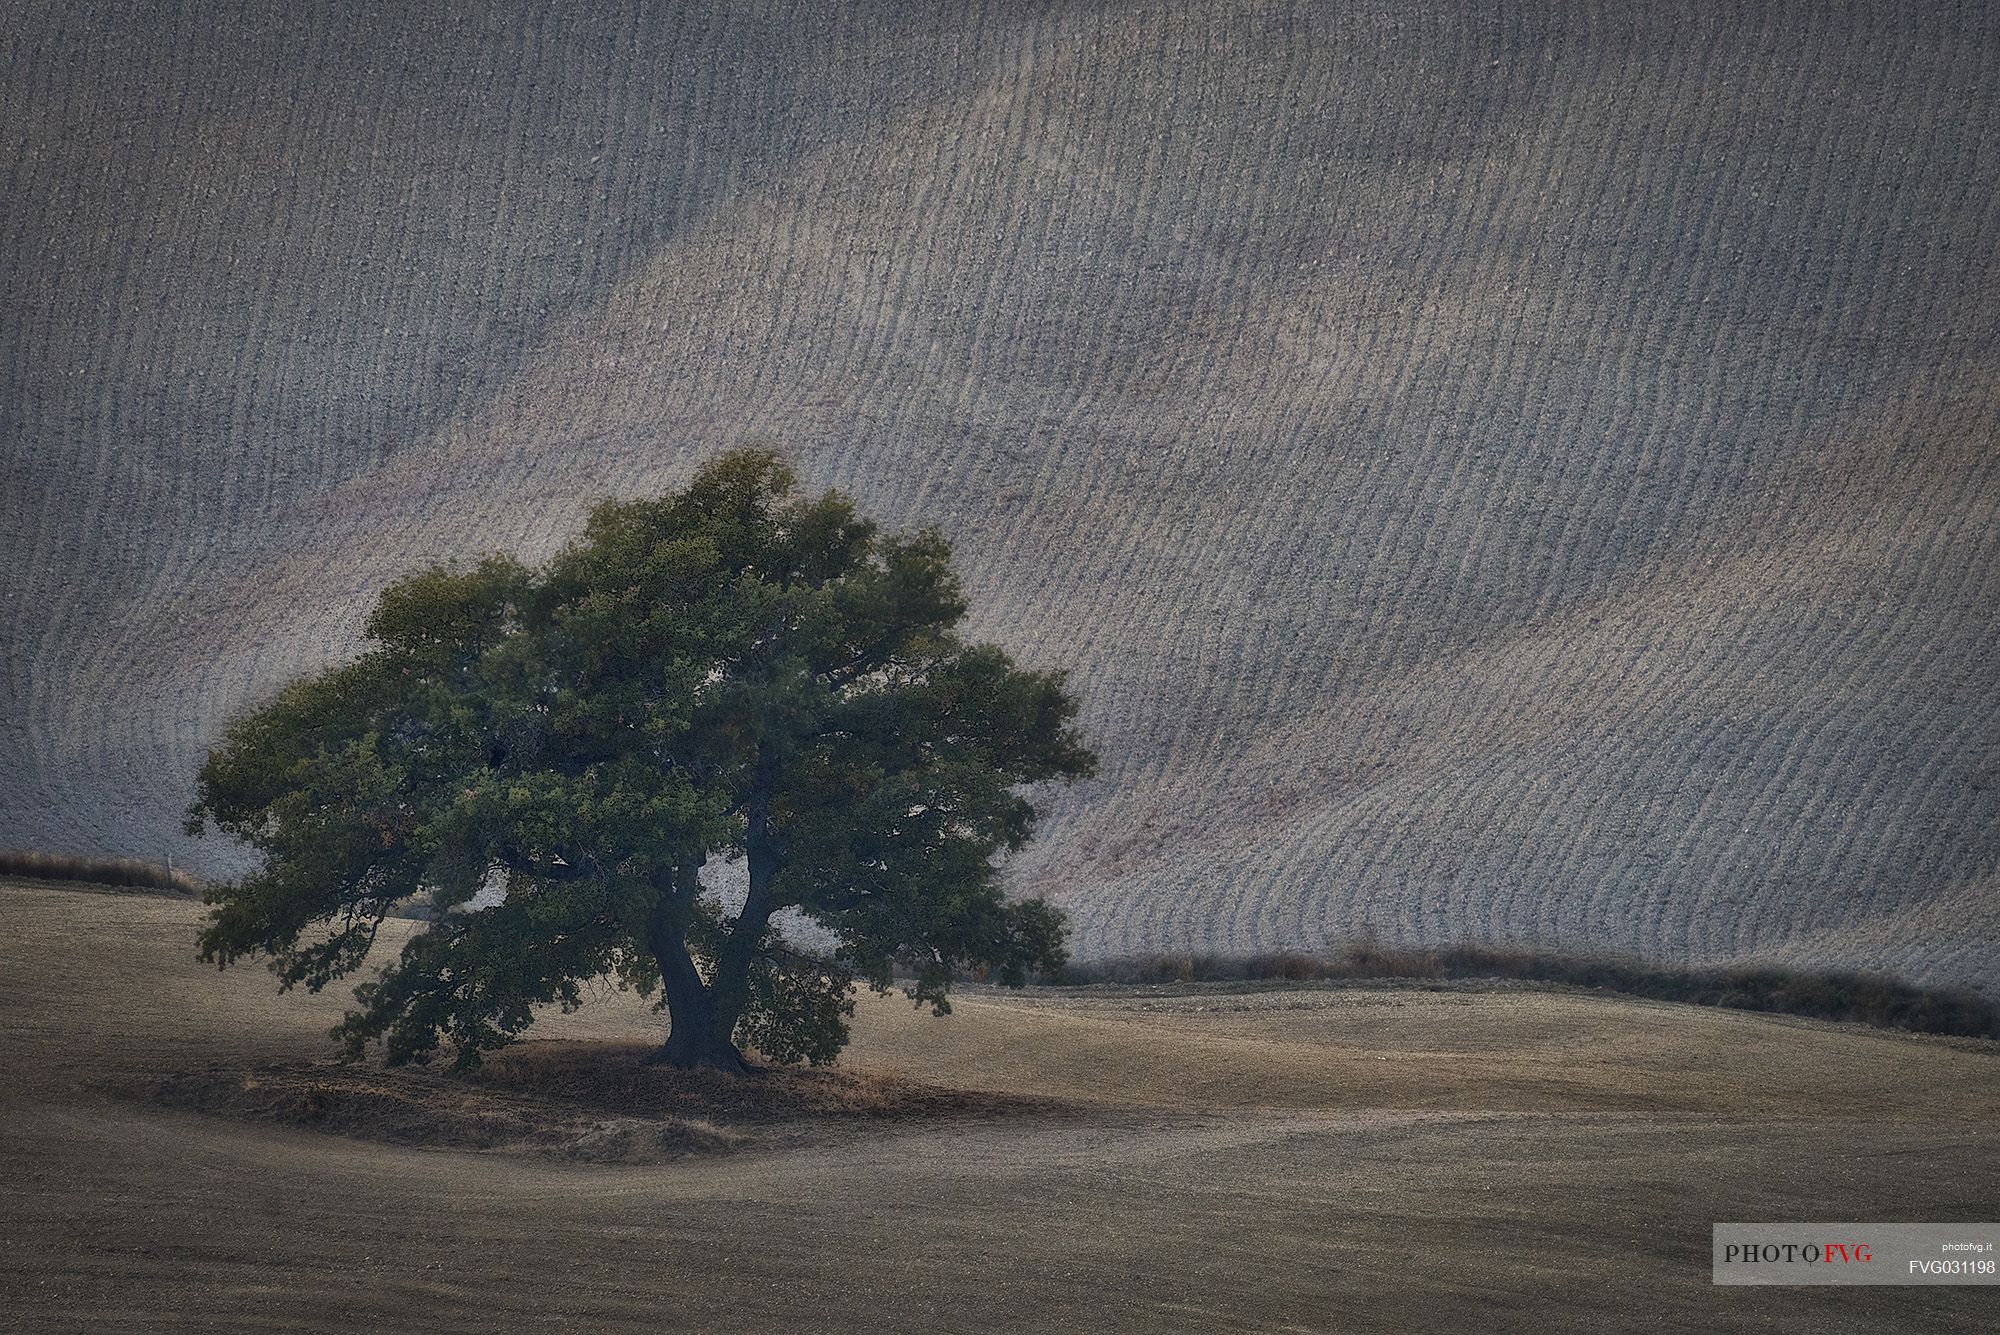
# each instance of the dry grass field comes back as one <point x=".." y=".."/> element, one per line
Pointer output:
<point x="1508" y="470"/>
<point x="1353" y="1159"/>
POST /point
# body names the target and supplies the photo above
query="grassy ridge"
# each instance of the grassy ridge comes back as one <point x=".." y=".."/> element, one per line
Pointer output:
<point x="1852" y="997"/>
<point x="97" y="871"/>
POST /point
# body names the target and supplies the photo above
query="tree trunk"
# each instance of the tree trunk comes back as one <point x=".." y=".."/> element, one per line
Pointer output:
<point x="693" y="1044"/>
<point x="729" y="991"/>
<point x="698" y="1034"/>
<point x="703" y="1016"/>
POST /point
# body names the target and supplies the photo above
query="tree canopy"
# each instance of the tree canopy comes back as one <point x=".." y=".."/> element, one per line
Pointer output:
<point x="729" y="672"/>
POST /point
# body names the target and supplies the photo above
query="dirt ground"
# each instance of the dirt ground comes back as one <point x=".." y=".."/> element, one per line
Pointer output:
<point x="1348" y="1159"/>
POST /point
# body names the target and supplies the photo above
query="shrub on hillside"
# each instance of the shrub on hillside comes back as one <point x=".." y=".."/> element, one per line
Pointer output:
<point x="1833" y="995"/>
<point x="97" y="871"/>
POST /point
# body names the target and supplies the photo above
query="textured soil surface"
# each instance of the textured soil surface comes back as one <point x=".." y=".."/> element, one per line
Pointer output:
<point x="1513" y="470"/>
<point x="595" y="1101"/>
<point x="1356" y="1159"/>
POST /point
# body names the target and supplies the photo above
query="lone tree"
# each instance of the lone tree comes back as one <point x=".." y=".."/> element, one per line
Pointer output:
<point x="728" y="672"/>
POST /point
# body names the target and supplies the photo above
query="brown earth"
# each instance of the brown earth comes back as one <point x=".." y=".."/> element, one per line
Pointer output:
<point x="1354" y="1159"/>
<point x="1516" y="471"/>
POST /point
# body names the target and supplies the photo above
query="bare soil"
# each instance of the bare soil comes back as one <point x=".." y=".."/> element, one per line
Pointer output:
<point x="1494" y="471"/>
<point x="1355" y="1159"/>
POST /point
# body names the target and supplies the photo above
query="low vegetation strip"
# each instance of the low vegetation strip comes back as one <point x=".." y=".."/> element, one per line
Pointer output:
<point x="592" y="1102"/>
<point x="1851" y="997"/>
<point x="405" y="1109"/>
<point x="127" y="872"/>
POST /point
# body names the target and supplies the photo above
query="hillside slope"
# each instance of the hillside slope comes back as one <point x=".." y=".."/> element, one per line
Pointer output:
<point x="1524" y="471"/>
<point x="1350" y="1159"/>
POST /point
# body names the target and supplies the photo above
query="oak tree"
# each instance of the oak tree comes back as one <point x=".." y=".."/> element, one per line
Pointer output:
<point x="732" y="673"/>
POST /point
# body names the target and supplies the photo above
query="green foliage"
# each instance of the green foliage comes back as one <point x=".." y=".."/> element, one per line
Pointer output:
<point x="724" y="672"/>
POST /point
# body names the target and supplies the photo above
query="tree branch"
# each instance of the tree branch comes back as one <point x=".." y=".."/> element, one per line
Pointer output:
<point x="516" y="861"/>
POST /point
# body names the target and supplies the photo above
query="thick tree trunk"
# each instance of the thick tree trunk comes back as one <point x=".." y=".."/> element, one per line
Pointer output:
<point x="699" y="1033"/>
<point x="693" y="1045"/>
<point x="729" y="992"/>
<point x="703" y="1016"/>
